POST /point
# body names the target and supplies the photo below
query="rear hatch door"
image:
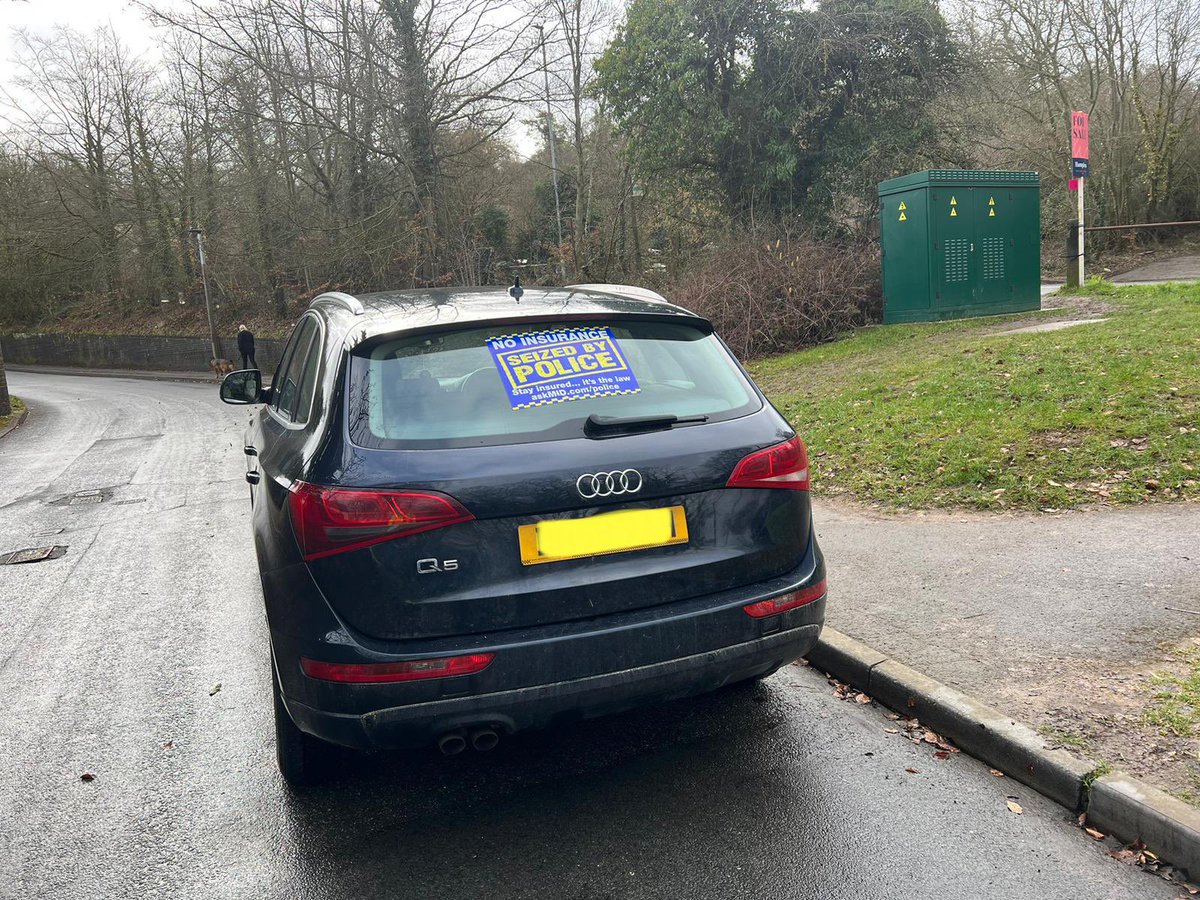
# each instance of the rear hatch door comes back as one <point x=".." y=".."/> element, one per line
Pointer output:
<point x="586" y="505"/>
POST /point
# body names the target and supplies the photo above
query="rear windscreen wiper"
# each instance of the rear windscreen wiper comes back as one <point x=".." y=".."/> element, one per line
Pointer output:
<point x="596" y="426"/>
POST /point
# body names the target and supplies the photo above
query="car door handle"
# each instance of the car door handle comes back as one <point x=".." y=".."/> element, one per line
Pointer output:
<point x="253" y="477"/>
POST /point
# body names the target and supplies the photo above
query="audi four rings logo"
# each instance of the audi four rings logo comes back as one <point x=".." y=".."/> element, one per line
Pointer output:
<point x="609" y="484"/>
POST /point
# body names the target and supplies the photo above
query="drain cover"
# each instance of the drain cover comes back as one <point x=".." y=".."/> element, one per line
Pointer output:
<point x="127" y="502"/>
<point x="81" y="498"/>
<point x="32" y="554"/>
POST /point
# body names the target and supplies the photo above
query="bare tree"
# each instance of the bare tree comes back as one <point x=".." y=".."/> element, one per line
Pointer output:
<point x="1134" y="65"/>
<point x="583" y="27"/>
<point x="73" y="131"/>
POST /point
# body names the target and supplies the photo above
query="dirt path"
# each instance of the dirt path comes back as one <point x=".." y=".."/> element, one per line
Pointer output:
<point x="1058" y="619"/>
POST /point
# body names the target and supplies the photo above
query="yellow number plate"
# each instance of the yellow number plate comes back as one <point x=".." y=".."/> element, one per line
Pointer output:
<point x="615" y="532"/>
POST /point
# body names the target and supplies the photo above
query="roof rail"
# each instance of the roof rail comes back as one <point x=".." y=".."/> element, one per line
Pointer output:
<point x="351" y="303"/>
<point x="621" y="290"/>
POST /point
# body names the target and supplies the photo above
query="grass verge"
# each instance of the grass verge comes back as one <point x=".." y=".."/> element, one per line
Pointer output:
<point x="1175" y="706"/>
<point x="17" y="406"/>
<point x="958" y="414"/>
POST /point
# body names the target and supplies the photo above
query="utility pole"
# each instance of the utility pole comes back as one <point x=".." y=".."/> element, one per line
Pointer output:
<point x="212" y="331"/>
<point x="5" y="402"/>
<point x="562" y="271"/>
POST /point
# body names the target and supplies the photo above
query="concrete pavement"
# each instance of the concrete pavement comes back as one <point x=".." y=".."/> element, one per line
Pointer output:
<point x="109" y="655"/>
<point x="1059" y="620"/>
<point x="1175" y="268"/>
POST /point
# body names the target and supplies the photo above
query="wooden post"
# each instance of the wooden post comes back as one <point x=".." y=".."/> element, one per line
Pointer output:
<point x="1082" y="276"/>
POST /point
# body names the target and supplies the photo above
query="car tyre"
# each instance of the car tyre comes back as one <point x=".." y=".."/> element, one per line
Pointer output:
<point x="303" y="759"/>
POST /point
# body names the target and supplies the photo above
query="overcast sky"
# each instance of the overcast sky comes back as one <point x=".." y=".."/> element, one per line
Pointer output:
<point x="84" y="15"/>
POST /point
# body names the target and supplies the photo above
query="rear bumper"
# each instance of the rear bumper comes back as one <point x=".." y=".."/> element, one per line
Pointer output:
<point x="541" y="675"/>
<point x="536" y="707"/>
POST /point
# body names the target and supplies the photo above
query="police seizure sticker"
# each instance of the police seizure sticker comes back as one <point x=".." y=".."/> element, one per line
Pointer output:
<point x="540" y="367"/>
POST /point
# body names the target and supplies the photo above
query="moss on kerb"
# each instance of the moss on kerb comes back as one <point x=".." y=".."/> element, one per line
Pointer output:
<point x="1093" y="776"/>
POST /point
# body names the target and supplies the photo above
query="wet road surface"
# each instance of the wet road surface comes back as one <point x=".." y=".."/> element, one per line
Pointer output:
<point x="109" y="655"/>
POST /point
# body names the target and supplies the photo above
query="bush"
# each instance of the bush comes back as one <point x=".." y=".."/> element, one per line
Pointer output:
<point x="771" y="296"/>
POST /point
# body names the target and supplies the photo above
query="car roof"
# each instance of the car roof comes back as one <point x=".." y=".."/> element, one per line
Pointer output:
<point x="363" y="316"/>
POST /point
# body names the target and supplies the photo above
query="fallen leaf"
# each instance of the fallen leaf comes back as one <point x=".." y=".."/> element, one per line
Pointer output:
<point x="168" y="745"/>
<point x="911" y="771"/>
<point x="892" y="730"/>
<point x="1015" y="807"/>
<point x="997" y="773"/>
<point x="1123" y="856"/>
<point x="1094" y="834"/>
<point x="214" y="689"/>
<point x="87" y="776"/>
<point x="862" y="698"/>
<point x="931" y="738"/>
<point x="891" y="716"/>
<point x="941" y="754"/>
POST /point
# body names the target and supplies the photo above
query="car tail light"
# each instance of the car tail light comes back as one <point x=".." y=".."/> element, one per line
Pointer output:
<point x="333" y="520"/>
<point x="413" y="670"/>
<point x="784" y="602"/>
<point x="781" y="466"/>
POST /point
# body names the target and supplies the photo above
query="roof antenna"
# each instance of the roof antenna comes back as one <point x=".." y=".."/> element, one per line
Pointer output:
<point x="516" y="290"/>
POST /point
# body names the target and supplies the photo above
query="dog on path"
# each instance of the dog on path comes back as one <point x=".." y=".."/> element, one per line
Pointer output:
<point x="220" y="367"/>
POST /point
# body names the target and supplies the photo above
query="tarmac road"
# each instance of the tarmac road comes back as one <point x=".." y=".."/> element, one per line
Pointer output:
<point x="109" y="655"/>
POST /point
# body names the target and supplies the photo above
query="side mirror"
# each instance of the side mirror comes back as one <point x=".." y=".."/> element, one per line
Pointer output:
<point x="241" y="388"/>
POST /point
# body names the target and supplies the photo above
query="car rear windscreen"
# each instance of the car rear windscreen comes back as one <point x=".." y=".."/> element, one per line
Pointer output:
<point x="538" y="382"/>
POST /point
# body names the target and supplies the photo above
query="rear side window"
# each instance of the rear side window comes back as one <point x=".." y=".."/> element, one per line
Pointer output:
<point x="308" y="380"/>
<point x="483" y="386"/>
<point x="287" y="392"/>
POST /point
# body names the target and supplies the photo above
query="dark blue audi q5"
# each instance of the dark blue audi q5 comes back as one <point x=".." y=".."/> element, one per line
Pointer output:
<point x="476" y="513"/>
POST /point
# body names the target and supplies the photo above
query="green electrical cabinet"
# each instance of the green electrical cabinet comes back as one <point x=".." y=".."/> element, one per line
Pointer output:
<point x="960" y="243"/>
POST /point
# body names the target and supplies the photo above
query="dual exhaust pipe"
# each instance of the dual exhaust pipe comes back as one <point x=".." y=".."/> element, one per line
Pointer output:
<point x="453" y="743"/>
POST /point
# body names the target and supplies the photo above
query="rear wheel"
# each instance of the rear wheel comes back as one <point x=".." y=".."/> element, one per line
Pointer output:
<point x="303" y="759"/>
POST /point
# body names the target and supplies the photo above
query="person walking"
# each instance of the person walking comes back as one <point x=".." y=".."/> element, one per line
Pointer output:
<point x="246" y="347"/>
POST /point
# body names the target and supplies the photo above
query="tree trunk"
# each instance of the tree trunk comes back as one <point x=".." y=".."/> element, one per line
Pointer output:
<point x="417" y="119"/>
